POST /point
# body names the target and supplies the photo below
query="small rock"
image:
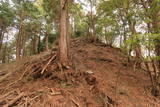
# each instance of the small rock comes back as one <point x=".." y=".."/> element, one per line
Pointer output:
<point x="89" y="72"/>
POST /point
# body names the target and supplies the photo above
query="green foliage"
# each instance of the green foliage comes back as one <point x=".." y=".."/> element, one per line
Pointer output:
<point x="79" y="18"/>
<point x="112" y="19"/>
<point x="50" y="9"/>
<point x="147" y="41"/>
<point x="133" y="42"/>
<point x="52" y="38"/>
<point x="6" y="14"/>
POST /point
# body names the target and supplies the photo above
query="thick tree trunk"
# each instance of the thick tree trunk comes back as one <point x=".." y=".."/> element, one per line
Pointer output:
<point x="64" y="39"/>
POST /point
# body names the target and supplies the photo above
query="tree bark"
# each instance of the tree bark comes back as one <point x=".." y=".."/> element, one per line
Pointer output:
<point x="1" y="42"/>
<point x="137" y="48"/>
<point x="18" y="49"/>
<point x="64" y="39"/>
<point x="1" y="37"/>
<point x="92" y="26"/>
<point x="19" y="39"/>
<point x="23" y="46"/>
<point x="4" y="53"/>
<point x="46" y="41"/>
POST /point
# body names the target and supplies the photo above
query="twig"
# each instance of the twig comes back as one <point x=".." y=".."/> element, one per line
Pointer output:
<point x="26" y="102"/>
<point x="34" y="98"/>
<point x="48" y="63"/>
<point x="75" y="102"/>
<point x="5" y="95"/>
<point x="73" y="98"/>
<point x="5" y="76"/>
<point x="18" y="79"/>
<point x="2" y="73"/>
<point x="14" y="100"/>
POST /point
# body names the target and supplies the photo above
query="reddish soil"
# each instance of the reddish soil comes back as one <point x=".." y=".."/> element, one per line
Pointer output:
<point x="102" y="78"/>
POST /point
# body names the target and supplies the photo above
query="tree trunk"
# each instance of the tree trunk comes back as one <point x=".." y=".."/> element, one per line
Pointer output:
<point x="1" y="37"/>
<point x="137" y="48"/>
<point x="64" y="40"/>
<point x="19" y="39"/>
<point x="4" y="53"/>
<point x="156" y="27"/>
<point x="23" y="46"/>
<point x="36" y="43"/>
<point x="18" y="49"/>
<point x="1" y="42"/>
<point x="46" y="41"/>
<point x="39" y="41"/>
<point x="93" y="35"/>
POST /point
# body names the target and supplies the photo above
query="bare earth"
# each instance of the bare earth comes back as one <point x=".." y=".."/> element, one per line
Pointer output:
<point x="102" y="79"/>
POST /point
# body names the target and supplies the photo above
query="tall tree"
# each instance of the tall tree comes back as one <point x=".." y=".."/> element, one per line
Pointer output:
<point x="6" y="20"/>
<point x="64" y="41"/>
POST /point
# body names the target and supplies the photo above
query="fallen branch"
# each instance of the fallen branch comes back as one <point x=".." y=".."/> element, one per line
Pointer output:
<point x="14" y="100"/>
<point x="53" y="57"/>
<point x="73" y="98"/>
<point x="5" y="95"/>
<point x="2" y="73"/>
<point x="16" y="80"/>
<point x="75" y="102"/>
<point x="5" y="76"/>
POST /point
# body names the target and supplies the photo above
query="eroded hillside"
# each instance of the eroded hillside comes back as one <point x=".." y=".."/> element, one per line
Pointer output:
<point x="100" y="77"/>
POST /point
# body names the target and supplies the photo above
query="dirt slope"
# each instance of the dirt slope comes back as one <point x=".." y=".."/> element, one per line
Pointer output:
<point x="102" y="79"/>
<point x="108" y="65"/>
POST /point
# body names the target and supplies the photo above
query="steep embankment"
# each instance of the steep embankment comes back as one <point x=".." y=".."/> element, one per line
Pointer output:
<point x="102" y="79"/>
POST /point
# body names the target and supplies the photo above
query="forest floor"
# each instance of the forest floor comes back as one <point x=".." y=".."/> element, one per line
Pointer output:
<point x="103" y="78"/>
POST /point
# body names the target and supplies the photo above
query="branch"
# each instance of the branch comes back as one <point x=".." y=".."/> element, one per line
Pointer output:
<point x="53" y="57"/>
<point x="14" y="100"/>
